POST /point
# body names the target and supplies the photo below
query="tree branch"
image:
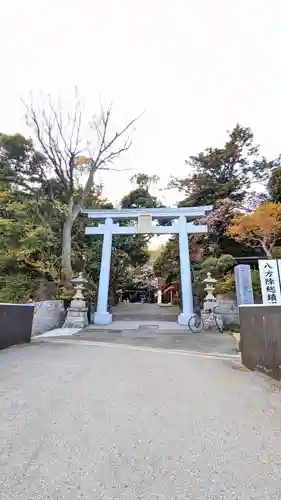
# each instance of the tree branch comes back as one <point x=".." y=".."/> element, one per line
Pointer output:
<point x="104" y="155"/>
<point x="59" y="146"/>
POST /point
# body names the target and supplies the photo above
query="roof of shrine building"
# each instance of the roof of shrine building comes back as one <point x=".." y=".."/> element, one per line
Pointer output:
<point x="156" y="213"/>
<point x="253" y="260"/>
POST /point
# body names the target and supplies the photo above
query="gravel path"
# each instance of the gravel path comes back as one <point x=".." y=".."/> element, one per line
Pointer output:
<point x="90" y="422"/>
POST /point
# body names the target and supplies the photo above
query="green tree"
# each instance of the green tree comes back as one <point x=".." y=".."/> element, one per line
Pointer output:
<point x="21" y="163"/>
<point x="129" y="252"/>
<point x="222" y="177"/>
<point x="226" y="172"/>
<point x="70" y="159"/>
<point x="28" y="248"/>
<point x="167" y="264"/>
<point x="226" y="178"/>
<point x="32" y="215"/>
<point x="30" y="244"/>
<point x="140" y="197"/>
<point x="274" y="185"/>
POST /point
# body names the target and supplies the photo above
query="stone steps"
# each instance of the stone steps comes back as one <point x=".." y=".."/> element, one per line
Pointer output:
<point x="141" y="317"/>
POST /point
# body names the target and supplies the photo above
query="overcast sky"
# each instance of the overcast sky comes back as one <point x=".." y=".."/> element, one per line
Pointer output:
<point x="196" y="66"/>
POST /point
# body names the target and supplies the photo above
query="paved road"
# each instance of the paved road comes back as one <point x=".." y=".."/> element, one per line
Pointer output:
<point x="81" y="421"/>
<point x="212" y="342"/>
<point x="169" y="337"/>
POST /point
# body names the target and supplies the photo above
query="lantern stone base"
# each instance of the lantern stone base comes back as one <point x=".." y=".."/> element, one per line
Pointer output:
<point x="76" y="317"/>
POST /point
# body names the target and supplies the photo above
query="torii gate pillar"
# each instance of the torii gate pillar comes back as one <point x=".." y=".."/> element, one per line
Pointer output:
<point x="102" y="316"/>
<point x="186" y="280"/>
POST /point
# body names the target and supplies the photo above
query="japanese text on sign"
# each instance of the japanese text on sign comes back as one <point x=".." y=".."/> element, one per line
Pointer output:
<point x="270" y="282"/>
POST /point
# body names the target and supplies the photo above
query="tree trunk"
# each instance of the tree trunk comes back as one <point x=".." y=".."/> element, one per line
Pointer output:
<point x="112" y="296"/>
<point x="66" y="268"/>
<point x="266" y="249"/>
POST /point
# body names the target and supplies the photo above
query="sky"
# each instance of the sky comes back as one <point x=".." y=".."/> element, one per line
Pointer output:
<point x="196" y="67"/>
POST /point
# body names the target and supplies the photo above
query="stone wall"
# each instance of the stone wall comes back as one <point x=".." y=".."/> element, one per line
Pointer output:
<point x="47" y="316"/>
<point x="260" y="342"/>
<point x="227" y="307"/>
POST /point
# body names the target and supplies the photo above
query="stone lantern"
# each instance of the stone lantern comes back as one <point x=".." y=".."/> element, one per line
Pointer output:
<point x="77" y="313"/>
<point x="210" y="320"/>
<point x="210" y="299"/>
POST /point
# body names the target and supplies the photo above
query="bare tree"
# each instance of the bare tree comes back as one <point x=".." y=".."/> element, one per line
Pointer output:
<point x="72" y="156"/>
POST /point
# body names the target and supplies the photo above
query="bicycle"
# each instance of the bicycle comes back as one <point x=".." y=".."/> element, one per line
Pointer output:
<point x="197" y="323"/>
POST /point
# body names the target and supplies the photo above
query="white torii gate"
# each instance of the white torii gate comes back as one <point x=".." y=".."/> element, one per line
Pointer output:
<point x="181" y="224"/>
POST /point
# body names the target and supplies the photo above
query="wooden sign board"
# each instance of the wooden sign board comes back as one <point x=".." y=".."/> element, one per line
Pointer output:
<point x="270" y="282"/>
<point x="145" y="223"/>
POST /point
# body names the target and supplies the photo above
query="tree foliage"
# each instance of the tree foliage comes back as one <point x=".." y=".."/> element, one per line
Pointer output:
<point x="224" y="178"/>
<point x="140" y="197"/>
<point x="274" y="185"/>
<point x="227" y="178"/>
<point x="226" y="172"/>
<point x="137" y="245"/>
<point x="69" y="157"/>
<point x="167" y="264"/>
<point x="31" y="228"/>
<point x="30" y="244"/>
<point x="43" y="188"/>
<point x="262" y="228"/>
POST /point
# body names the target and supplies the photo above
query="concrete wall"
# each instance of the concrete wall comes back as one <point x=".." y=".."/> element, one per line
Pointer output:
<point x="47" y="316"/>
<point x="260" y="330"/>
<point x="15" y="324"/>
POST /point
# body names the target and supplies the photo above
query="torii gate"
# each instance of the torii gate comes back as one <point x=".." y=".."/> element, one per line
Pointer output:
<point x="181" y="224"/>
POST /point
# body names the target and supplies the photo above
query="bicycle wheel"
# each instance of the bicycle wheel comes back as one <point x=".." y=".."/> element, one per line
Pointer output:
<point x="219" y="323"/>
<point x="218" y="320"/>
<point x="196" y="324"/>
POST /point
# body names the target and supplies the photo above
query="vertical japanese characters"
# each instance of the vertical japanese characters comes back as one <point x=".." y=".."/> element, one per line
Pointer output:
<point x="270" y="281"/>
